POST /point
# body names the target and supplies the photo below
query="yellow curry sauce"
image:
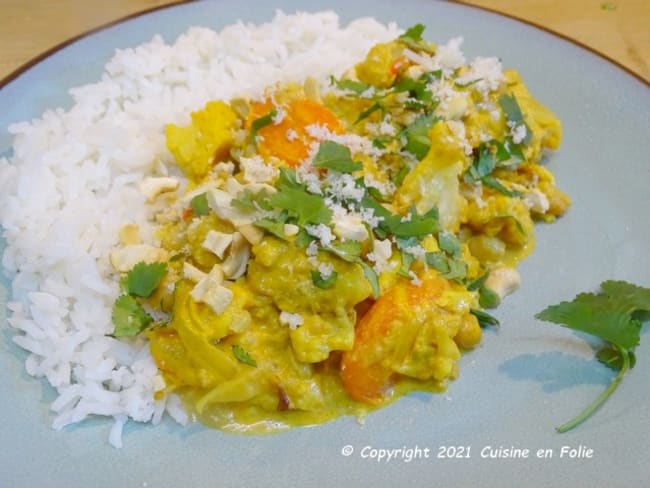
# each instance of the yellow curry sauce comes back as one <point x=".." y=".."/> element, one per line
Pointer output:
<point x="336" y="248"/>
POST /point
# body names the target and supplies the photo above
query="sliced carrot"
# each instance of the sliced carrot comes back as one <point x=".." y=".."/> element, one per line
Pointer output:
<point x="364" y="376"/>
<point x="289" y="139"/>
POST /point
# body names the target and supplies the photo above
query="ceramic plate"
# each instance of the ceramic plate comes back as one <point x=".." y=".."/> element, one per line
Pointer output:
<point x="525" y="379"/>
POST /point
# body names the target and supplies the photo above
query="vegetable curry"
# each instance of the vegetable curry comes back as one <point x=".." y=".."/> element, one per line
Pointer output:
<point x="332" y="246"/>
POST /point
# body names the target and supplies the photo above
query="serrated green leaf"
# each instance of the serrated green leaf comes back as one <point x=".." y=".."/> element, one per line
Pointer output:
<point x="128" y="316"/>
<point x="305" y="207"/>
<point x="334" y="156"/>
<point x="488" y="298"/>
<point x="144" y="278"/>
<point x="417" y="137"/>
<point x="199" y="205"/>
<point x="449" y="243"/>
<point x="413" y="33"/>
<point x="589" y="314"/>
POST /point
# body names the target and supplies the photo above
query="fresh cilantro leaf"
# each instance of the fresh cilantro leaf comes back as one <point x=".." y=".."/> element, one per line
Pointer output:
<point x="417" y="89"/>
<point x="495" y="184"/>
<point x="449" y="243"/>
<point x="487" y="158"/>
<point x="303" y="239"/>
<point x="511" y="108"/>
<point x="413" y="39"/>
<point x="468" y="84"/>
<point x="413" y="33"/>
<point x="354" y="86"/>
<point x="398" y="178"/>
<point x="242" y="356"/>
<point x="349" y="251"/>
<point x="128" y="316"/>
<point x="305" y="207"/>
<point x="478" y="283"/>
<point x="336" y="157"/>
<point x="612" y="357"/>
<point x="144" y="278"/>
<point x="288" y="179"/>
<point x="372" y="278"/>
<point x="488" y="298"/>
<point x="369" y="111"/>
<point x="417" y="225"/>
<point x="381" y="141"/>
<point x="405" y="268"/>
<point x="606" y="315"/>
<point x="417" y="137"/>
<point x="274" y="227"/>
<point x="514" y="114"/>
<point x="377" y="195"/>
<point x="611" y="316"/>
<point x="447" y="267"/>
<point x="484" y="318"/>
<point x="199" y="205"/>
<point x="249" y="201"/>
<point x="262" y="122"/>
<point x="321" y="282"/>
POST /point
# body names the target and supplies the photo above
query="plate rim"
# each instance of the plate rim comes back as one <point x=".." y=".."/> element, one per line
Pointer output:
<point x="26" y="66"/>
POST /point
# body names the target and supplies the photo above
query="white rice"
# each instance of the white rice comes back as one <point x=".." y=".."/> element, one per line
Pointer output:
<point x="71" y="183"/>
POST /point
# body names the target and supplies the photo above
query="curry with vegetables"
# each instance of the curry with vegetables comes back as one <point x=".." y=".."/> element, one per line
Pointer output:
<point x="330" y="248"/>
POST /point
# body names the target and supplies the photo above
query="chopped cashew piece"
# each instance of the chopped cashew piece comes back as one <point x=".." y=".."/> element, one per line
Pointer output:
<point x="537" y="201"/>
<point x="193" y="273"/>
<point x="235" y="264"/>
<point x="129" y="234"/>
<point x="252" y="234"/>
<point x="503" y="281"/>
<point x="210" y="290"/>
<point x="124" y="259"/>
<point x="350" y="229"/>
<point x="152" y="187"/>
<point x="217" y="242"/>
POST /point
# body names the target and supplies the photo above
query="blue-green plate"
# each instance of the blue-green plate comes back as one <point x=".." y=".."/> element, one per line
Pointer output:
<point x="525" y="379"/>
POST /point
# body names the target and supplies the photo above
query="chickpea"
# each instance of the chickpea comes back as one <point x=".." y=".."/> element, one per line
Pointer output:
<point x="469" y="334"/>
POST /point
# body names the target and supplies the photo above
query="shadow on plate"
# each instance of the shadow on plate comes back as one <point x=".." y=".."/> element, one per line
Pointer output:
<point x="557" y="370"/>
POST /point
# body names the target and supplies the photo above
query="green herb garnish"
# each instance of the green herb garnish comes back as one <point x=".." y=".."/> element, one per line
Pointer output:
<point x="413" y="33"/>
<point x="261" y="122"/>
<point x="334" y="156"/>
<point x="242" y="356"/>
<point x="488" y="157"/>
<point x="613" y="316"/>
<point x="417" y="137"/>
<point x="129" y="317"/>
<point x="484" y="318"/>
<point x="514" y="114"/>
<point x="321" y="282"/>
<point x="357" y="87"/>
<point x="143" y="279"/>
<point x="370" y="110"/>
<point x="199" y="205"/>
<point x="413" y="39"/>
